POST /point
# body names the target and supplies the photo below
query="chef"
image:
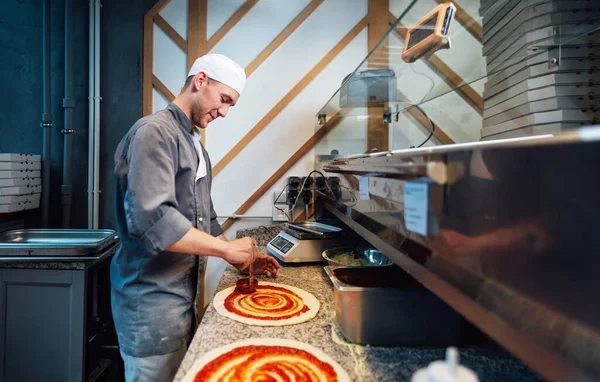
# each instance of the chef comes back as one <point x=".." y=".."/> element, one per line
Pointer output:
<point x="167" y="223"/>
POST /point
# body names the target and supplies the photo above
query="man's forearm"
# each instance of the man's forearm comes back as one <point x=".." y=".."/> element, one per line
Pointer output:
<point x="201" y="243"/>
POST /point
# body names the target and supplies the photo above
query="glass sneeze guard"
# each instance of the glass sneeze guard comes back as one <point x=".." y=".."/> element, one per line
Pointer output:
<point x="453" y="91"/>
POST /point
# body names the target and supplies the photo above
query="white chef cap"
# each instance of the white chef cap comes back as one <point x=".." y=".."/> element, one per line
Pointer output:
<point x="222" y="69"/>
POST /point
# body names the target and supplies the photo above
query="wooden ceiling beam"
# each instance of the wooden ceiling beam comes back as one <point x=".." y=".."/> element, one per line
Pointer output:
<point x="466" y="21"/>
<point x="298" y="20"/>
<point x="278" y="108"/>
<point x="171" y="32"/>
<point x="229" y="24"/>
<point x="305" y="148"/>
<point x="148" y="55"/>
<point x="197" y="34"/>
<point x="446" y="73"/>
<point x="423" y="119"/>
<point x="378" y="135"/>
<point x="162" y="88"/>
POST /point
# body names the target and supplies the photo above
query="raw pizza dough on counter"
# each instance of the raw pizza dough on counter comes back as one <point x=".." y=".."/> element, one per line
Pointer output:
<point x="253" y="358"/>
<point x="271" y="305"/>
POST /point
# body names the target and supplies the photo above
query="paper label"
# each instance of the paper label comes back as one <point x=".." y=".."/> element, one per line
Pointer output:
<point x="416" y="202"/>
<point x="363" y="187"/>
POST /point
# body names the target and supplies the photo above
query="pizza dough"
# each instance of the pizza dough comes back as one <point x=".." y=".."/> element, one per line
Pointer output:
<point x="271" y="305"/>
<point x="249" y="359"/>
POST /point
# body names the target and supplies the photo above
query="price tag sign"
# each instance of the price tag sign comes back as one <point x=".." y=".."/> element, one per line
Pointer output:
<point x="363" y="188"/>
<point x="416" y="202"/>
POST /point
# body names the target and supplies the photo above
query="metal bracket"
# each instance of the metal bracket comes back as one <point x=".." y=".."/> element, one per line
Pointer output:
<point x="69" y="102"/>
<point x="387" y="117"/>
<point x="321" y="119"/>
<point x="555" y="61"/>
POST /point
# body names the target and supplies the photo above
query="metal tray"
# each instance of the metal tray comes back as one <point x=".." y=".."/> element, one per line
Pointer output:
<point x="312" y="230"/>
<point x="385" y="306"/>
<point x="54" y="242"/>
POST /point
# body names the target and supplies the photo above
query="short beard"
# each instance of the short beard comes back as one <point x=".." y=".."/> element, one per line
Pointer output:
<point x="196" y="114"/>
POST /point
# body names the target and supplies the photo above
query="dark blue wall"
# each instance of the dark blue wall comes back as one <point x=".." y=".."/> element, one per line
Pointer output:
<point x="121" y="85"/>
<point x="21" y="101"/>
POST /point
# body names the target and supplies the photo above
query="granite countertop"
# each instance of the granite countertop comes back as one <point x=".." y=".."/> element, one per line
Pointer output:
<point x="362" y="363"/>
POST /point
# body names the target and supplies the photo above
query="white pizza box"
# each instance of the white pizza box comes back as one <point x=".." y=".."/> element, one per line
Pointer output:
<point x="20" y="174"/>
<point x="20" y="190"/>
<point x="14" y="207"/>
<point x="6" y="157"/>
<point x="20" y="166"/>
<point x="19" y="198"/>
<point x="26" y="181"/>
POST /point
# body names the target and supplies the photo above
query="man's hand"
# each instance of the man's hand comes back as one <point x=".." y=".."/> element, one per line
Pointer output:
<point x="265" y="265"/>
<point x="241" y="252"/>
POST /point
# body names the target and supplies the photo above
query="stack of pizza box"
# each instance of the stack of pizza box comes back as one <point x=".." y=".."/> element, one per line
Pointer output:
<point x="20" y="182"/>
<point x="542" y="65"/>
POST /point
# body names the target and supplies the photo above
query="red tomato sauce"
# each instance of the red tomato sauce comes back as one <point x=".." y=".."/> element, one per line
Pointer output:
<point x="262" y="299"/>
<point x="297" y="366"/>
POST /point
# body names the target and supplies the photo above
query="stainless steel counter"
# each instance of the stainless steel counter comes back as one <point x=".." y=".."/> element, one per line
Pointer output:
<point x="504" y="232"/>
<point x="58" y="261"/>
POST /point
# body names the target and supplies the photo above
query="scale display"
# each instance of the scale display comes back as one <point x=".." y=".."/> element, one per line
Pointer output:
<point x="282" y="244"/>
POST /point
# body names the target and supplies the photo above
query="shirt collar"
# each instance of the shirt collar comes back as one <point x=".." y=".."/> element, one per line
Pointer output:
<point x="181" y="118"/>
<point x="197" y="135"/>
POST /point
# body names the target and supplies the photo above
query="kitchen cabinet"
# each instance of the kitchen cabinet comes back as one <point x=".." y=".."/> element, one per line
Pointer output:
<point x="56" y="322"/>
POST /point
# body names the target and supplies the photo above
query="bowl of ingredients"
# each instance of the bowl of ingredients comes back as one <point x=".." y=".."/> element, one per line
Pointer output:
<point x="355" y="257"/>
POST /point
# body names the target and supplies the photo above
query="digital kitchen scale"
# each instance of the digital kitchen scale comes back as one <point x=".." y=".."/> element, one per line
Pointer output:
<point x="304" y="242"/>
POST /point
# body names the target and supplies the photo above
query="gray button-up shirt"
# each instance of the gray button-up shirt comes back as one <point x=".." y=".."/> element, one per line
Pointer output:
<point x="157" y="201"/>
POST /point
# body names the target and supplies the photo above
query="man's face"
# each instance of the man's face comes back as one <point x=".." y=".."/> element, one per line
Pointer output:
<point x="212" y="99"/>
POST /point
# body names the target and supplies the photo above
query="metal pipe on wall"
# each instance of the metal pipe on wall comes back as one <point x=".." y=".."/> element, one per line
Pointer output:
<point x="67" y="131"/>
<point x="94" y="115"/>
<point x="46" y="115"/>
<point x="97" y="100"/>
<point x="91" y="63"/>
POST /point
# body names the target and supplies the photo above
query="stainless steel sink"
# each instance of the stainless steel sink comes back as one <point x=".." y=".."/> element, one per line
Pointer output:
<point x="55" y="242"/>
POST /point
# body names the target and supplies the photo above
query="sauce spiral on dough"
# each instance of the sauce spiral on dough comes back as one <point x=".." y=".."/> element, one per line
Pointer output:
<point x="266" y="364"/>
<point x="267" y="303"/>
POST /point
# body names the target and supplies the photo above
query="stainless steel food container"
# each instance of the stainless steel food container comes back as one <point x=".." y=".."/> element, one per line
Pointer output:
<point x="386" y="306"/>
<point x="367" y="257"/>
<point x="55" y="242"/>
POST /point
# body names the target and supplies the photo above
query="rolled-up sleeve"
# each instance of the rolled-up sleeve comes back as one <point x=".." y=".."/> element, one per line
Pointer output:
<point x="215" y="227"/>
<point x="150" y="201"/>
